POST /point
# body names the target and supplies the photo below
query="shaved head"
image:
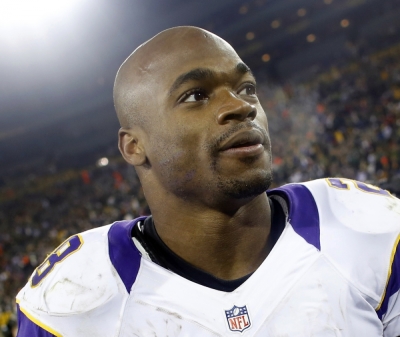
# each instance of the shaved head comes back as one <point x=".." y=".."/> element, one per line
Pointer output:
<point x="135" y="80"/>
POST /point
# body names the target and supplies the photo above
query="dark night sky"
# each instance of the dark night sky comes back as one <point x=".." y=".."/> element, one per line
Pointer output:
<point x="65" y="65"/>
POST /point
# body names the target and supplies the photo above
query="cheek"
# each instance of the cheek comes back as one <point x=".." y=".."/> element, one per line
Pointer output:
<point x="176" y="153"/>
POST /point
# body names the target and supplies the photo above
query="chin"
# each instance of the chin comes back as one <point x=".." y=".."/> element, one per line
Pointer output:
<point x="246" y="188"/>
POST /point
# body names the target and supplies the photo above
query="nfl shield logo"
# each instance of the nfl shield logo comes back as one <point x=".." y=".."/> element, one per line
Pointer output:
<point x="238" y="318"/>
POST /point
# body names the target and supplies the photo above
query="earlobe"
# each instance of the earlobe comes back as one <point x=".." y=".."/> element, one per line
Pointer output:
<point x="131" y="147"/>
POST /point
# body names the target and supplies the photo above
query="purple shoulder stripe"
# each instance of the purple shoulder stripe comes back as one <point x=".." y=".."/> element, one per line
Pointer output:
<point x="393" y="285"/>
<point x="26" y="328"/>
<point x="123" y="253"/>
<point x="303" y="212"/>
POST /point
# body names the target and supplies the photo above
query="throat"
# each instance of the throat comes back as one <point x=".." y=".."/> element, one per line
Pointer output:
<point x="227" y="256"/>
<point x="166" y="258"/>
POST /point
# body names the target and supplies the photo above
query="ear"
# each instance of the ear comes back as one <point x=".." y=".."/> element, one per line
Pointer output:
<point x="131" y="146"/>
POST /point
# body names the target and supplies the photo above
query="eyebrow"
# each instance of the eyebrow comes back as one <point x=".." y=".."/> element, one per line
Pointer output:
<point x="200" y="74"/>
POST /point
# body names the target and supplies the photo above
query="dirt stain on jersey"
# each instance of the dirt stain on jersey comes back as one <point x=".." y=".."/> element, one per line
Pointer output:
<point x="77" y="297"/>
<point x="393" y="205"/>
<point x="174" y="314"/>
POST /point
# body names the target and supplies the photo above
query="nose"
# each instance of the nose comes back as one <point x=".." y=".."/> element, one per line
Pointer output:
<point x="235" y="108"/>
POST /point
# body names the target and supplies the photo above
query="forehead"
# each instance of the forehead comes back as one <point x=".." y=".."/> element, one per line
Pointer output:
<point x="185" y="53"/>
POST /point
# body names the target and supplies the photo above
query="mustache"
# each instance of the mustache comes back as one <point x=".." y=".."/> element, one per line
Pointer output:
<point x="216" y="143"/>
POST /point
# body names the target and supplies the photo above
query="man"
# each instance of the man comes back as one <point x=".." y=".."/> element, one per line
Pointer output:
<point x="219" y="256"/>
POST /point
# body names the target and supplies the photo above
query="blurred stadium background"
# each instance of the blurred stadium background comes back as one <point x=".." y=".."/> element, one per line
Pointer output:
<point x="329" y="80"/>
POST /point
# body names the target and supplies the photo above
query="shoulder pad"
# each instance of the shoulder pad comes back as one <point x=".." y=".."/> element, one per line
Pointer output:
<point x="359" y="231"/>
<point x="75" y="278"/>
<point x="359" y="206"/>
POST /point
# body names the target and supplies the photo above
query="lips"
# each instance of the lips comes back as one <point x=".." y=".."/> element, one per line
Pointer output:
<point x="243" y="139"/>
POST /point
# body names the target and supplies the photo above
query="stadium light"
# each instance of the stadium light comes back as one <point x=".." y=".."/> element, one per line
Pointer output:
<point x="250" y="36"/>
<point x="275" y="24"/>
<point x="266" y="58"/>
<point x="345" y="23"/>
<point x="302" y="12"/>
<point x="28" y="12"/>
<point x="311" y="38"/>
<point x="244" y="9"/>
<point x="102" y="162"/>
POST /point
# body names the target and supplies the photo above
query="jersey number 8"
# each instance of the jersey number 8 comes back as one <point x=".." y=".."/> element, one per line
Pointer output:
<point x="67" y="248"/>
<point x="344" y="184"/>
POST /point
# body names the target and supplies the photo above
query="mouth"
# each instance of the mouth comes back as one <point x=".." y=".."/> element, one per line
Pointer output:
<point x="248" y="142"/>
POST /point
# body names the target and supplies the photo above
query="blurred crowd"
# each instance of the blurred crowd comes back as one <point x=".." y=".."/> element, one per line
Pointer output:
<point x="340" y="121"/>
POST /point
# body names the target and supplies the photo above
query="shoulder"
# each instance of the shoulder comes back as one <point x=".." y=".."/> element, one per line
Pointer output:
<point x="80" y="288"/>
<point x="76" y="277"/>
<point x="345" y="200"/>
<point x="359" y="206"/>
<point x="354" y="225"/>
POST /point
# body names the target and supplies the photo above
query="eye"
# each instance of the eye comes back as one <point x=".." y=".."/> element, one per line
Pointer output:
<point x="195" y="95"/>
<point x="248" y="90"/>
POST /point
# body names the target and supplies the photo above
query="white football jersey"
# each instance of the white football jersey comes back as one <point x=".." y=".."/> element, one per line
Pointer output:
<point x="335" y="271"/>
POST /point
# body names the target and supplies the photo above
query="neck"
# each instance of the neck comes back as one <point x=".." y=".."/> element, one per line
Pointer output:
<point x="226" y="245"/>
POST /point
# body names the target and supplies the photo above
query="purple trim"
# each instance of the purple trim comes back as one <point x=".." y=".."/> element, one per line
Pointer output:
<point x="303" y="212"/>
<point x="393" y="285"/>
<point x="26" y="328"/>
<point x="123" y="253"/>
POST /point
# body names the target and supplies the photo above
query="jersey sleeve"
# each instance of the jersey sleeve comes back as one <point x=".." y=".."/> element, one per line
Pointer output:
<point x="389" y="308"/>
<point x="28" y="328"/>
<point x="74" y="292"/>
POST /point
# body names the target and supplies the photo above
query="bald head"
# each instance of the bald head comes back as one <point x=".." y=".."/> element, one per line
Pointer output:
<point x="134" y="88"/>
